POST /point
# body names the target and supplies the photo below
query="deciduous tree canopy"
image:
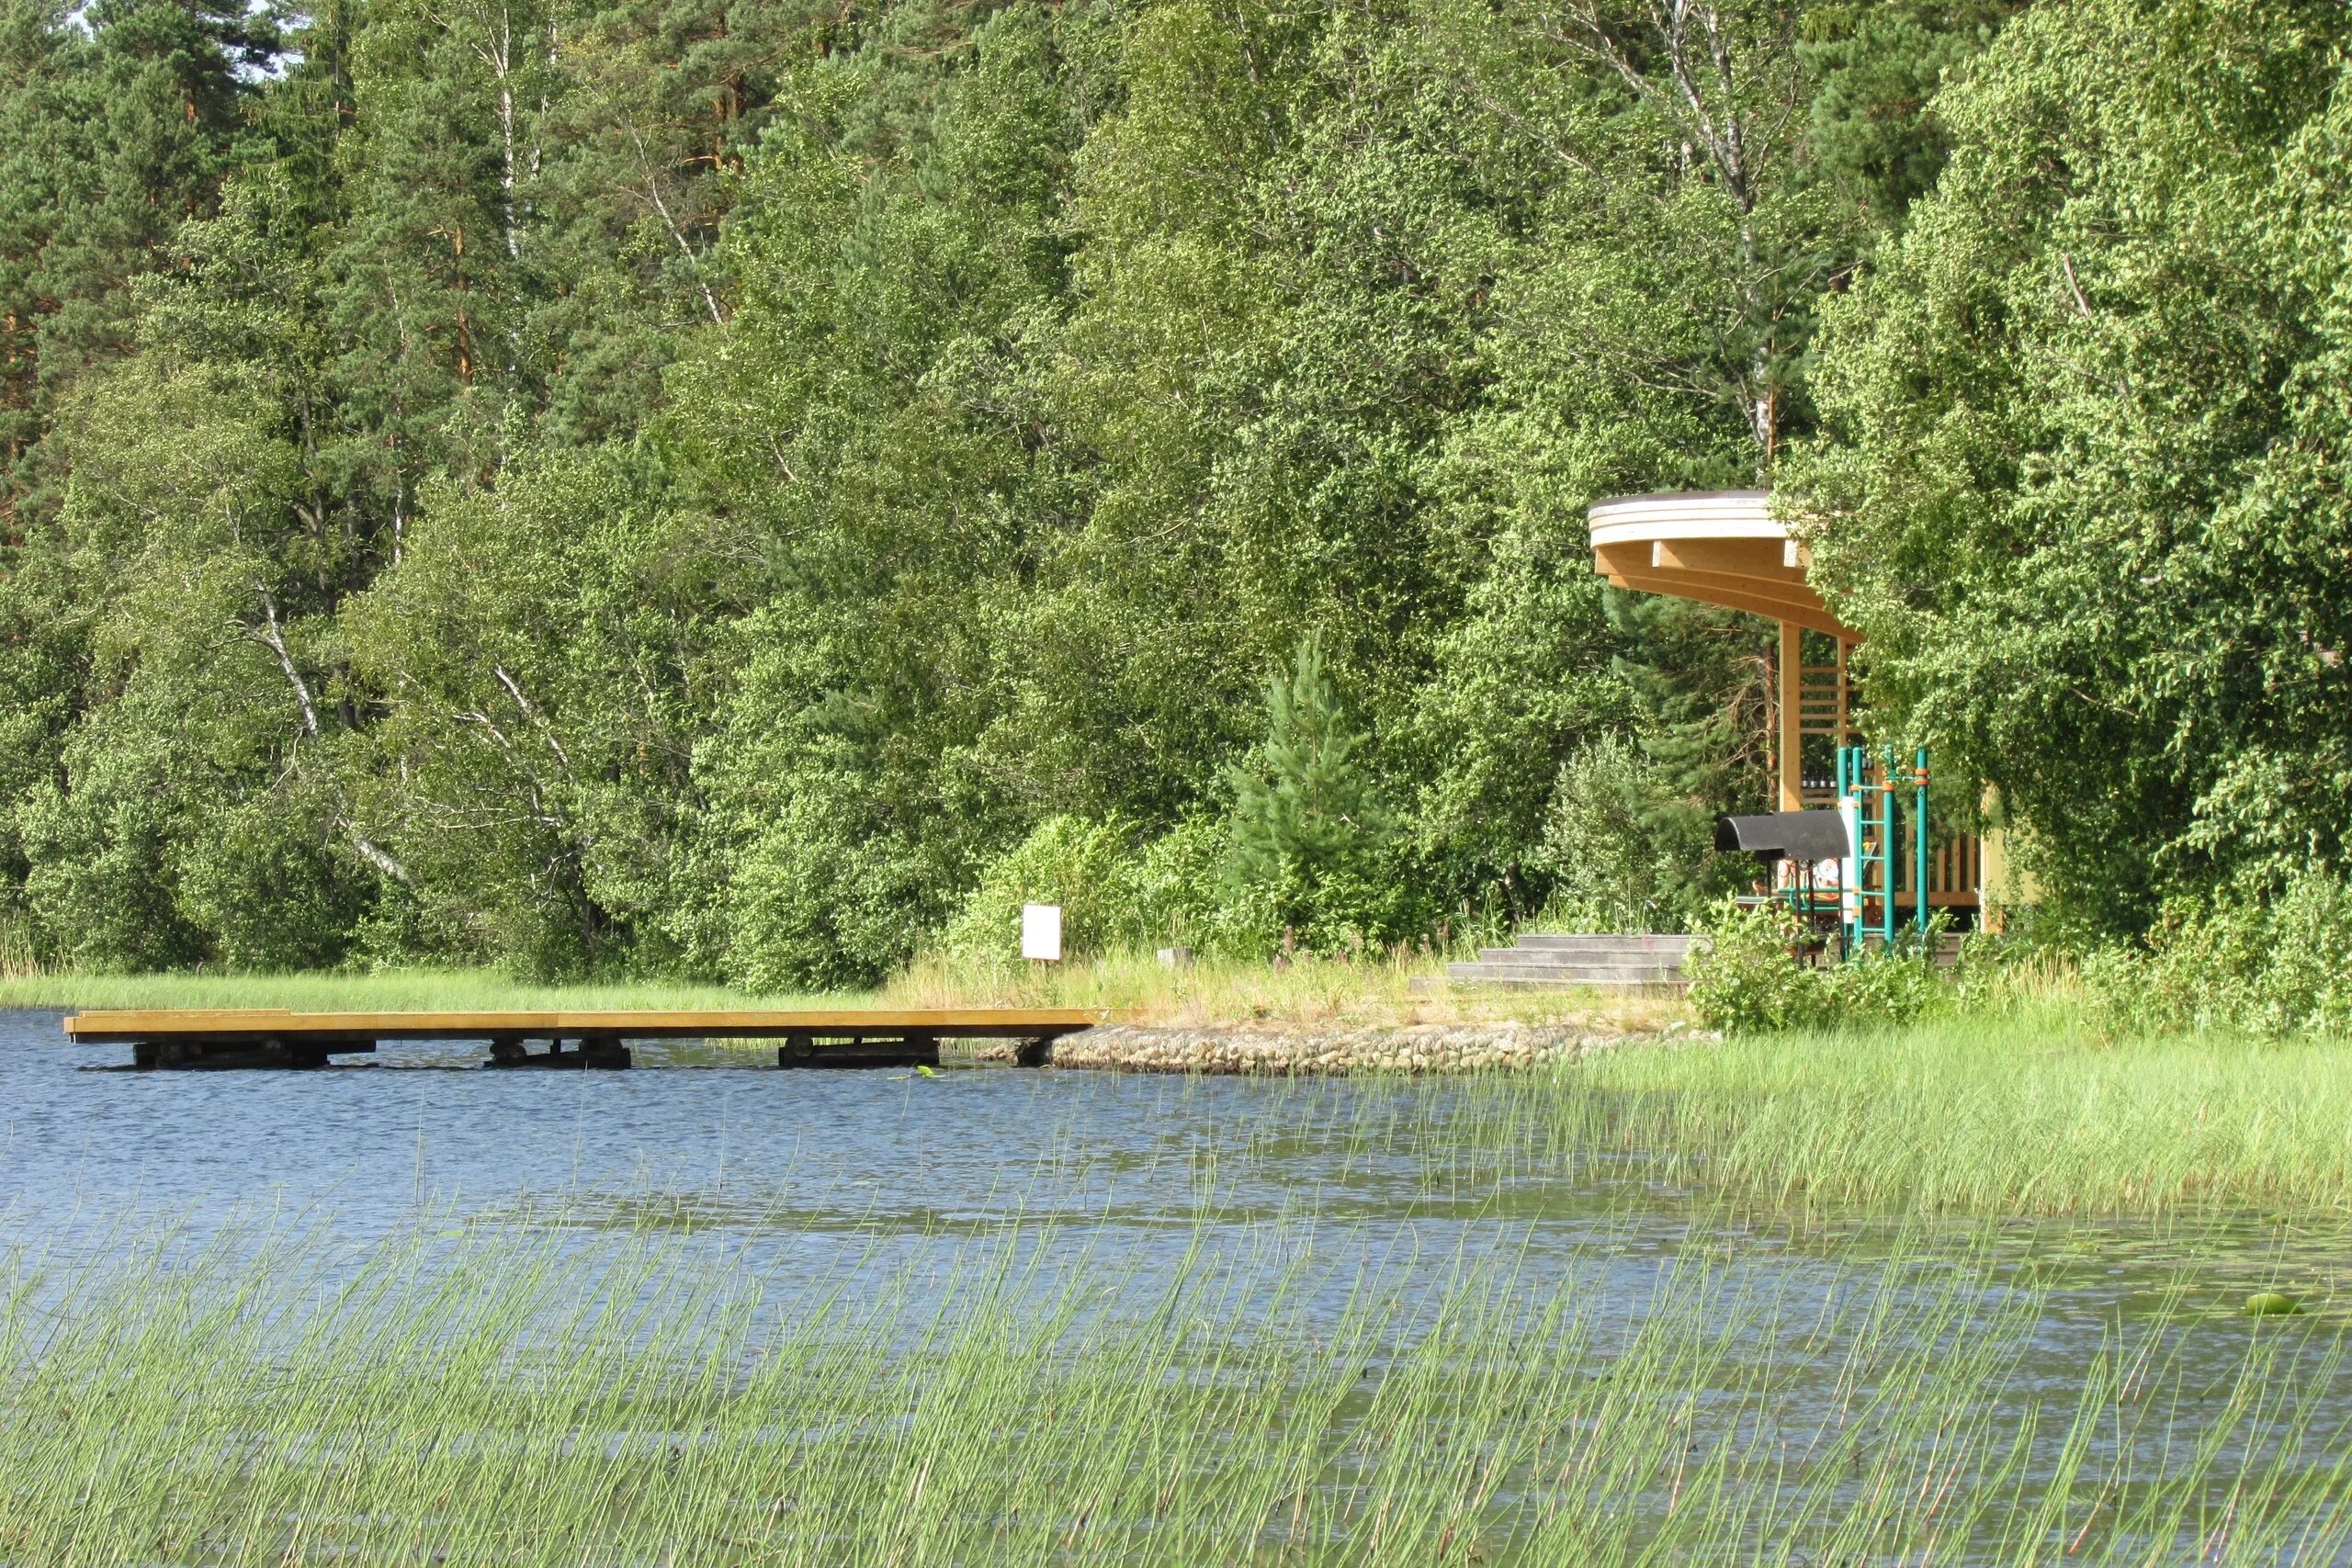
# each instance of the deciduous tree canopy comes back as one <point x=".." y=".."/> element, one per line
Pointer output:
<point x="720" y="486"/>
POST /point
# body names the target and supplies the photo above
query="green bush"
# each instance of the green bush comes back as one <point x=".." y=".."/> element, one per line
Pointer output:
<point x="1611" y="870"/>
<point x="1747" y="976"/>
<point x="1117" y="889"/>
<point x="810" y="903"/>
<point x="1182" y="894"/>
<point x="2268" y="963"/>
<point x="1068" y="860"/>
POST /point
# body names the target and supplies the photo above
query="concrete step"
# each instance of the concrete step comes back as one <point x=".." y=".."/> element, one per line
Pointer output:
<point x="1578" y="941"/>
<point x="1560" y="977"/>
<point x="1650" y="955"/>
<point x="1607" y="969"/>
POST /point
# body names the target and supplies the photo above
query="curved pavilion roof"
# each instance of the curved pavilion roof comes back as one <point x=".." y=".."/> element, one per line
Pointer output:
<point x="1719" y="547"/>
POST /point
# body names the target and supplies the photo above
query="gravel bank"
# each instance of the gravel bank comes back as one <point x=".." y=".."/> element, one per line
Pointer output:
<point x="1271" y="1048"/>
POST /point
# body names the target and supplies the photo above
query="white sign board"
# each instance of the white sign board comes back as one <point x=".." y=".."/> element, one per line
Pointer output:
<point x="1849" y="894"/>
<point x="1040" y="932"/>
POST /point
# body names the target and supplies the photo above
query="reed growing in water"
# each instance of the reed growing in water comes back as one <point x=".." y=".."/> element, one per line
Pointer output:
<point x="532" y="1396"/>
<point x="1990" y="1116"/>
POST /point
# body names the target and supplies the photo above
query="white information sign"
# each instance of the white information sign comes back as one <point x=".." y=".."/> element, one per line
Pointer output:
<point x="1040" y="932"/>
<point x="1849" y="896"/>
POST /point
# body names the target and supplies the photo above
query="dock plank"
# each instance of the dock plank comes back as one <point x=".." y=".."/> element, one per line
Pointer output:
<point x="130" y="1026"/>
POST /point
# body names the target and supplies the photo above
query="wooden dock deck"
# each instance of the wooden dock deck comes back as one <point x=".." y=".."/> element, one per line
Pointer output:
<point x="268" y="1037"/>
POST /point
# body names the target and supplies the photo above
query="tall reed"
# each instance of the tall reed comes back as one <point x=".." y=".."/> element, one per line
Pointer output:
<point x="1985" y="1116"/>
<point x="520" y="1397"/>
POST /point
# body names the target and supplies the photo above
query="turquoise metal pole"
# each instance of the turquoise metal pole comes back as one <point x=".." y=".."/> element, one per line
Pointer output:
<point x="1888" y="857"/>
<point x="1919" y="842"/>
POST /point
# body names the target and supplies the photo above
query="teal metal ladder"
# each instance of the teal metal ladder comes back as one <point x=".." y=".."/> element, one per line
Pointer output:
<point x="1866" y="786"/>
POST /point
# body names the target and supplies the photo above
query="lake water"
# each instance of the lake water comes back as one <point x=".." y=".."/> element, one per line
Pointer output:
<point x="836" y="1175"/>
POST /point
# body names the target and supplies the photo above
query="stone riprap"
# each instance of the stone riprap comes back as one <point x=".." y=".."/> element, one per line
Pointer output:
<point x="1278" y="1049"/>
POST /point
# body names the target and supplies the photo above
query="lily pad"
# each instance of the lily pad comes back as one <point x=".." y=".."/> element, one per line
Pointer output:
<point x="2271" y="1303"/>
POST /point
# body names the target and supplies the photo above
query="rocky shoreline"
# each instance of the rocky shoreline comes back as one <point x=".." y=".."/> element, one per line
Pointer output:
<point x="1294" y="1049"/>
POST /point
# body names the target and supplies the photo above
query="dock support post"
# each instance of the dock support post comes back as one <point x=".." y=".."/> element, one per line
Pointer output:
<point x="265" y="1051"/>
<point x="599" y="1053"/>
<point x="907" y="1049"/>
<point x="605" y="1053"/>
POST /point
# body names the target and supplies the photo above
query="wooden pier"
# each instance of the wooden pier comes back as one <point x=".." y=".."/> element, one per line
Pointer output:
<point x="266" y="1037"/>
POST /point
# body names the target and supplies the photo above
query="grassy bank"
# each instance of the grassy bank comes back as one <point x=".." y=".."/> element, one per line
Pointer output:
<point x="1992" y="1117"/>
<point x="1305" y="990"/>
<point x="513" y="1398"/>
<point x="1135" y="986"/>
<point x="391" y="991"/>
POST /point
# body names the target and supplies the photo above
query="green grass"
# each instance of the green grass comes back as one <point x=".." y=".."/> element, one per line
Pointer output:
<point x="1303" y="991"/>
<point x="389" y="991"/>
<point x="1306" y="990"/>
<point x="1992" y="1116"/>
<point x="515" y="1397"/>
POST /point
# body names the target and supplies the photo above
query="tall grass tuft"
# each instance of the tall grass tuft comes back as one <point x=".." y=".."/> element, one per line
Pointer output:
<point x="1977" y="1115"/>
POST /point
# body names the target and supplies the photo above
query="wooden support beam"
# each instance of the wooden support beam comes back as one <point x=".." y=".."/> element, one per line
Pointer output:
<point x="1732" y="594"/>
<point x="1791" y="675"/>
<point x="915" y="1048"/>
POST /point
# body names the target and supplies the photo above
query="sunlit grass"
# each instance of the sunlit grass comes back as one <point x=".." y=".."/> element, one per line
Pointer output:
<point x="1985" y="1116"/>
<point x="1305" y="990"/>
<point x="397" y="990"/>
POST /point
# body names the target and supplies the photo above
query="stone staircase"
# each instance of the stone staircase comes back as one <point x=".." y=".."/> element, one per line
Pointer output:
<point x="1556" y="960"/>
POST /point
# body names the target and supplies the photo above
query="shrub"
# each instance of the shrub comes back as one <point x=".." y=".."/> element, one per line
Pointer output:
<point x="2270" y="962"/>
<point x="1610" y="871"/>
<point x="1180" y="893"/>
<point x="1117" y="890"/>
<point x="1079" y="864"/>
<point x="1749" y="976"/>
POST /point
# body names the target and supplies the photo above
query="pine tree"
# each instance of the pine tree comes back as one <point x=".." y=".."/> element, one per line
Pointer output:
<point x="1309" y="826"/>
<point x="115" y="124"/>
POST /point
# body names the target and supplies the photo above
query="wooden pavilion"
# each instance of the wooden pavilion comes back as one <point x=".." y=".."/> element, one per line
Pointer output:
<point x="1725" y="547"/>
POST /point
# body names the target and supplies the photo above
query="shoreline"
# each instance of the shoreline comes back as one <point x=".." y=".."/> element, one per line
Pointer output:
<point x="1131" y="989"/>
<point x="1265" y="1049"/>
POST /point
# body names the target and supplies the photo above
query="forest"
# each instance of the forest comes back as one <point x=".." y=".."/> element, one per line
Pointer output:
<point x="743" y="489"/>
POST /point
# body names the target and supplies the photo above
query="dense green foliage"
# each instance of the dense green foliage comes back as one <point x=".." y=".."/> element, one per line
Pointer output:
<point x="2082" y="480"/>
<point x="741" y="491"/>
<point x="738" y="490"/>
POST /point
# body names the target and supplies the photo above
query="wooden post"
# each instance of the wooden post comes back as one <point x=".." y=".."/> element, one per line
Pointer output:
<point x="1792" y="747"/>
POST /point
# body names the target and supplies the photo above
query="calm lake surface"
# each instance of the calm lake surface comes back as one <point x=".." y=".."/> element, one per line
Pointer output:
<point x="833" y="1176"/>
